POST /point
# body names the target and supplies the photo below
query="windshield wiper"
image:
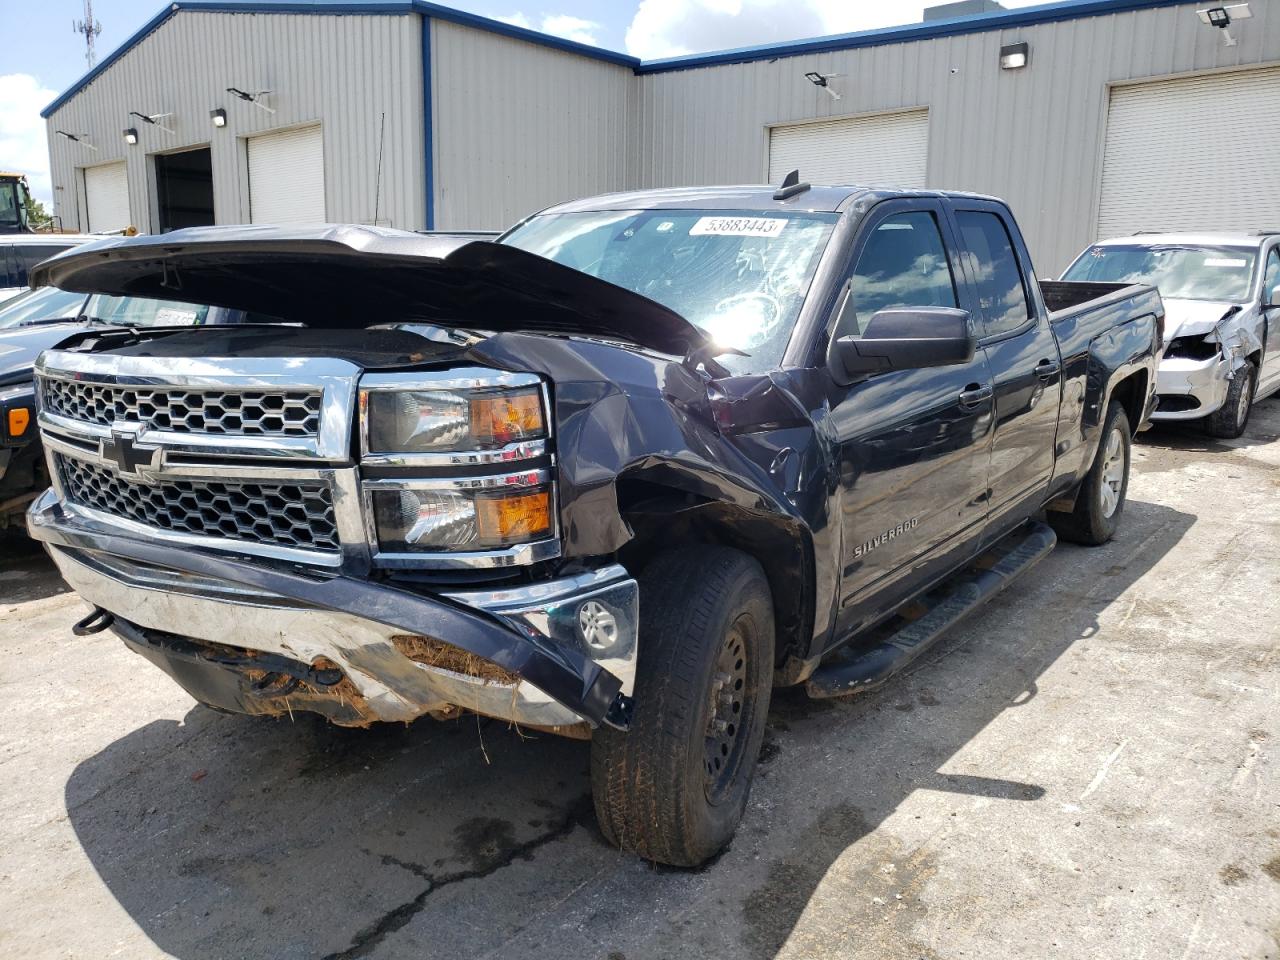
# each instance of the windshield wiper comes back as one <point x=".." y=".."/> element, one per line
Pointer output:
<point x="48" y="321"/>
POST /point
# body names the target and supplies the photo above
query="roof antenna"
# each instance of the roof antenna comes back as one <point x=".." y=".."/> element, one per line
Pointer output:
<point x="791" y="186"/>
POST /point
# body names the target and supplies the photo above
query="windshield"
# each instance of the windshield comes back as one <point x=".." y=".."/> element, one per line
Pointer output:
<point x="141" y="312"/>
<point x="739" y="275"/>
<point x="34" y="306"/>
<point x="1179" y="272"/>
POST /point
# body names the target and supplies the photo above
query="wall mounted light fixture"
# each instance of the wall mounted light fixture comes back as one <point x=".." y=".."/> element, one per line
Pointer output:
<point x="80" y="138"/>
<point x="131" y="136"/>
<point x="153" y="119"/>
<point x="1014" y="56"/>
<point x="253" y="98"/>
<point x="219" y="117"/>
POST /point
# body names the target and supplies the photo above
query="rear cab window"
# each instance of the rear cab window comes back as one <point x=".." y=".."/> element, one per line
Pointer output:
<point x="998" y="281"/>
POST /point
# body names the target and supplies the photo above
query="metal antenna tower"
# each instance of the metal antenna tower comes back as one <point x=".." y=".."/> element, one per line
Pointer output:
<point x="89" y="28"/>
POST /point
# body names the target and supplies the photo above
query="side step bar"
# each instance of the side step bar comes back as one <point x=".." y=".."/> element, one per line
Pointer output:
<point x="861" y="667"/>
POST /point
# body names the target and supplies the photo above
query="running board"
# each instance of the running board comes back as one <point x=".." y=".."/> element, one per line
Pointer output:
<point x="861" y="667"/>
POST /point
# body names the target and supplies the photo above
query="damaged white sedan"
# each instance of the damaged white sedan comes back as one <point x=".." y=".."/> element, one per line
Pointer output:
<point x="1221" y="294"/>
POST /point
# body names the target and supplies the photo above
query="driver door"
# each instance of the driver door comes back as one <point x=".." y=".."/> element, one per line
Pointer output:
<point x="914" y="446"/>
<point x="1269" y="375"/>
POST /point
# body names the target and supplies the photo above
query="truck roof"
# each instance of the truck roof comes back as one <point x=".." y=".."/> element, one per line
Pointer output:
<point x="1208" y="239"/>
<point x="756" y="196"/>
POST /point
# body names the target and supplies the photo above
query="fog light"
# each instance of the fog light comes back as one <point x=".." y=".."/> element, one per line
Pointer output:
<point x="599" y="627"/>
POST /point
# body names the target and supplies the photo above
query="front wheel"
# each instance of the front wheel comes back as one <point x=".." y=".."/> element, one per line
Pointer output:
<point x="1100" y="501"/>
<point x="1229" y="420"/>
<point x="672" y="788"/>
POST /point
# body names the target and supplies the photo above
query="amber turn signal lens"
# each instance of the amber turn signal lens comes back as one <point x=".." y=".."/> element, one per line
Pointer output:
<point x="513" y="519"/>
<point x="19" y="420"/>
<point x="503" y="418"/>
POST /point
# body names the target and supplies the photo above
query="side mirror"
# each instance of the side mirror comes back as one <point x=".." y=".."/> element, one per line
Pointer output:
<point x="904" y="338"/>
<point x="1271" y="298"/>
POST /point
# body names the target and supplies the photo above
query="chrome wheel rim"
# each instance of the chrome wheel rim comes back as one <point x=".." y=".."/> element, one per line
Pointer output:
<point x="1112" y="472"/>
<point x="726" y="717"/>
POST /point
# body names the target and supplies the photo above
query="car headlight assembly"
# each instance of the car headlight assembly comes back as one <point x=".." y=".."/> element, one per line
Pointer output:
<point x="457" y="469"/>
<point x="426" y="422"/>
<point x="491" y="513"/>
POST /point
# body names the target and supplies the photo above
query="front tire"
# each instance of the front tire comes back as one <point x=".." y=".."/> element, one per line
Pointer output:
<point x="672" y="788"/>
<point x="1100" y="502"/>
<point x="1229" y="420"/>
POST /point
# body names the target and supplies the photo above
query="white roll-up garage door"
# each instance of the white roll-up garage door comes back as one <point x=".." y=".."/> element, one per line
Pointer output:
<point x="106" y="193"/>
<point x="889" y="150"/>
<point x="1199" y="153"/>
<point x="286" y="177"/>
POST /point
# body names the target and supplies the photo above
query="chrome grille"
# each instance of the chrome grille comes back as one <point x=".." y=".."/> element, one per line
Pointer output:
<point x="298" y="515"/>
<point x="249" y="413"/>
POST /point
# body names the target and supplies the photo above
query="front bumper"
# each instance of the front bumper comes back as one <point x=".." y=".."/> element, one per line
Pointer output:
<point x="203" y="616"/>
<point x="1190" y="389"/>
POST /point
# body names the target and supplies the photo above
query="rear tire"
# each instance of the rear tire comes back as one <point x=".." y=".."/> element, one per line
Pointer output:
<point x="672" y="788"/>
<point x="1229" y="420"/>
<point x="1100" y="501"/>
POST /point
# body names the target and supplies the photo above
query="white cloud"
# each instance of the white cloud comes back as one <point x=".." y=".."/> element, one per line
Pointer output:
<point x="558" y="25"/>
<point x="572" y="28"/>
<point x="672" y="28"/>
<point x="23" y="146"/>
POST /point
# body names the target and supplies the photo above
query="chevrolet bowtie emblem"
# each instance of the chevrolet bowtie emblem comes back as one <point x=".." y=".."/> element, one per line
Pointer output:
<point x="129" y="456"/>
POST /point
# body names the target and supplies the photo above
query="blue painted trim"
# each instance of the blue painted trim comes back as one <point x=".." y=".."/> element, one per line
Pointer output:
<point x="428" y="134"/>
<point x="932" y="29"/>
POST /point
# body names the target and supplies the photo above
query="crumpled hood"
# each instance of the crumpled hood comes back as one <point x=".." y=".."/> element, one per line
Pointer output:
<point x="19" y="349"/>
<point x="1192" y="318"/>
<point x="357" y="276"/>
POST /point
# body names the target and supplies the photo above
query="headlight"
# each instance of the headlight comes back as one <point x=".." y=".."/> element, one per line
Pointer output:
<point x="487" y="513"/>
<point x="456" y="420"/>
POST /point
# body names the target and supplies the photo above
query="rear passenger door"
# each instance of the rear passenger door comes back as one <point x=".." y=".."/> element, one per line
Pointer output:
<point x="912" y="445"/>
<point x="1269" y="375"/>
<point x="1022" y="354"/>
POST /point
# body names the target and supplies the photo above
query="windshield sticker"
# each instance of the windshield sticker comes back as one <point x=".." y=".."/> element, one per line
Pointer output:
<point x="167" y="316"/>
<point x="1224" y="262"/>
<point x="737" y="227"/>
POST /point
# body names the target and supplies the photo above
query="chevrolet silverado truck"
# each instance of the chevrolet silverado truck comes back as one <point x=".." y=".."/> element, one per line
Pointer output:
<point x="1221" y="292"/>
<point x="614" y="476"/>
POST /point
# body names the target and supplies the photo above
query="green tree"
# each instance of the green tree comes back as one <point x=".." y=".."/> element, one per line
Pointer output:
<point x="37" y="215"/>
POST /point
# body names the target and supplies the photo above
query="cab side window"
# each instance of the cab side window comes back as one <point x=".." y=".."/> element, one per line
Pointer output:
<point x="903" y="264"/>
<point x="1001" y="289"/>
<point x="1271" y="279"/>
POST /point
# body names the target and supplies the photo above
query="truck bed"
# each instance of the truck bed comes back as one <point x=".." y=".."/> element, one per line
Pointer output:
<point x="1062" y="295"/>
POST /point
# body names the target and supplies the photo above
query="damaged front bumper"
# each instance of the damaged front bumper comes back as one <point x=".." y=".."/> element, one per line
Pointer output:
<point x="252" y="638"/>
<point x="1189" y="389"/>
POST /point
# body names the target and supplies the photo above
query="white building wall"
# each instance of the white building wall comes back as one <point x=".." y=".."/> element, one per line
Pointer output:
<point x="342" y="70"/>
<point x="517" y="126"/>
<point x="1032" y="136"/>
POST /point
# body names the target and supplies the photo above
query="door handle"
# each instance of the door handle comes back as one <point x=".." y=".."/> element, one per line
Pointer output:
<point x="975" y="394"/>
<point x="1047" y="368"/>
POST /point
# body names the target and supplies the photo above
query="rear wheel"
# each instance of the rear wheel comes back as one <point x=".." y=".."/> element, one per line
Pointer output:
<point x="1100" y="501"/>
<point x="1229" y="420"/>
<point x="672" y="788"/>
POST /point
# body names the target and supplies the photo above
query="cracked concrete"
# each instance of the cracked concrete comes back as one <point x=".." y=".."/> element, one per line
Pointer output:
<point x="1085" y="769"/>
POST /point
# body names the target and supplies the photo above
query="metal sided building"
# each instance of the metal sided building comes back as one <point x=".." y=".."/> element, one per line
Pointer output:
<point x="1092" y="117"/>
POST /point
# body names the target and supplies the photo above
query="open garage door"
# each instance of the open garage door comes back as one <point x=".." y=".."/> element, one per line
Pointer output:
<point x="286" y="177"/>
<point x="106" y="193"/>
<point x="889" y="150"/>
<point x="1198" y="153"/>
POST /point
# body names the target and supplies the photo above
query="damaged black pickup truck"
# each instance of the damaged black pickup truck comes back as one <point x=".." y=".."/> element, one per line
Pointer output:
<point x="614" y="476"/>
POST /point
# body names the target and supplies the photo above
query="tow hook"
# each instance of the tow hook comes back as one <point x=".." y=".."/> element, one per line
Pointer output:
<point x="95" y="622"/>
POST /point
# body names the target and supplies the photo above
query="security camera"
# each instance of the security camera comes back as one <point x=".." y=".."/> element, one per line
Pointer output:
<point x="823" y="81"/>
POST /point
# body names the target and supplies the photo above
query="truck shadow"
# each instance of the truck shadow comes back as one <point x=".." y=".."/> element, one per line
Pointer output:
<point x="26" y="572"/>
<point x="226" y="836"/>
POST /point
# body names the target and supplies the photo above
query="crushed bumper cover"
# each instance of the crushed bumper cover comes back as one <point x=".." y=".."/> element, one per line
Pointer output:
<point x="1190" y="389"/>
<point x="201" y="615"/>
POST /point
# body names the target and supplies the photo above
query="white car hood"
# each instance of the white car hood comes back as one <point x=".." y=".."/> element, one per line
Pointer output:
<point x="1192" y="318"/>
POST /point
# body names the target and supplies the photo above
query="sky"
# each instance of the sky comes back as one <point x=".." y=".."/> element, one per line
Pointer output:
<point x="50" y="56"/>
